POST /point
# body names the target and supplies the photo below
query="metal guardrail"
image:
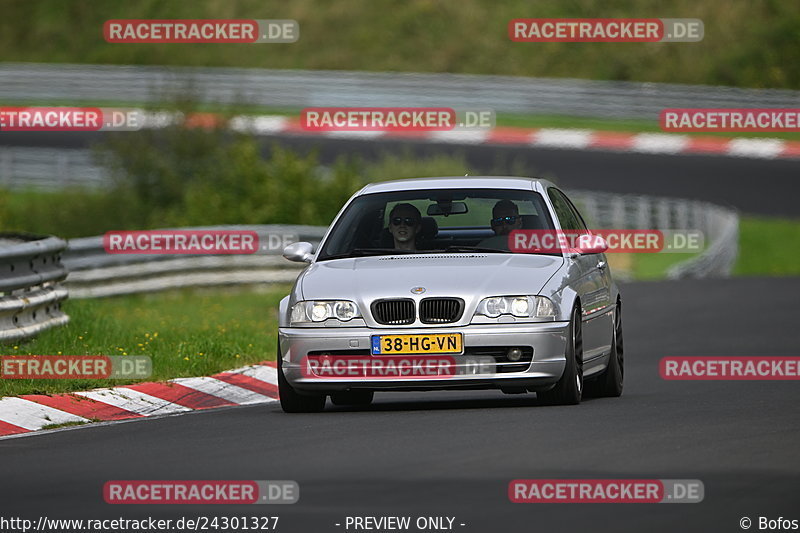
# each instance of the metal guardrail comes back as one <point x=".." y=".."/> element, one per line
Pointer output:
<point x="94" y="273"/>
<point x="36" y="82"/>
<point x="50" y="168"/>
<point x="720" y="226"/>
<point x="720" y="257"/>
<point x="30" y="294"/>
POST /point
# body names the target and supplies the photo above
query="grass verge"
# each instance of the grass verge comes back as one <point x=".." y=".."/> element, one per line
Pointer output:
<point x="655" y="266"/>
<point x="65" y="425"/>
<point x="186" y="333"/>
<point x="746" y="44"/>
<point x="768" y="247"/>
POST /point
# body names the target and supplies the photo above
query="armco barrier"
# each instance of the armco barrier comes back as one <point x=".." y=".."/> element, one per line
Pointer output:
<point x="95" y="273"/>
<point x="719" y="258"/>
<point x="37" y="82"/>
<point x="30" y="293"/>
<point x="720" y="226"/>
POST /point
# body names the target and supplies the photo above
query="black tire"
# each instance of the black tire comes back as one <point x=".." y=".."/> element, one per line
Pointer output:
<point x="294" y="402"/>
<point x="569" y="389"/>
<point x="352" y="397"/>
<point x="609" y="383"/>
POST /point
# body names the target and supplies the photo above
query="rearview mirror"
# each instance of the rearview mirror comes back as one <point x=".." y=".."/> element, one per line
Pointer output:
<point x="447" y="208"/>
<point x="299" y="252"/>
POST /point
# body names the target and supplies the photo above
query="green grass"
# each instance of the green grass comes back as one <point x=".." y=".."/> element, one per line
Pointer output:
<point x="748" y="44"/>
<point x="65" y="425"/>
<point x="186" y="333"/>
<point x="655" y="266"/>
<point x="768" y="247"/>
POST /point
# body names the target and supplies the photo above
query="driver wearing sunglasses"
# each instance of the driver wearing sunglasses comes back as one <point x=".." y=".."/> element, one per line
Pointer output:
<point x="404" y="225"/>
<point x="505" y="219"/>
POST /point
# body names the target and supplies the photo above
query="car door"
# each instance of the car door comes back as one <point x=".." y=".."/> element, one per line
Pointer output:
<point x="593" y="284"/>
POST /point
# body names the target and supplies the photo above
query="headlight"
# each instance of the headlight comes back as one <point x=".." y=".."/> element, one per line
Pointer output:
<point x="518" y="306"/>
<point x="494" y="307"/>
<point x="321" y="310"/>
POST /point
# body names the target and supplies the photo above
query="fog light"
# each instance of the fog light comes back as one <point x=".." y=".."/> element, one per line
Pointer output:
<point x="514" y="354"/>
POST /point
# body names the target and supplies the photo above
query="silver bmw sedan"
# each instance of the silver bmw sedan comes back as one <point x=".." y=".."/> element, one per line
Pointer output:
<point x="451" y="283"/>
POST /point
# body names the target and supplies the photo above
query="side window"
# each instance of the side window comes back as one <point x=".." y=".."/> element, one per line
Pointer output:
<point x="566" y="216"/>
<point x="581" y="222"/>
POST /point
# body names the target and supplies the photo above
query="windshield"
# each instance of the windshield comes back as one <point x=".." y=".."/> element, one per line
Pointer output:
<point x="437" y="220"/>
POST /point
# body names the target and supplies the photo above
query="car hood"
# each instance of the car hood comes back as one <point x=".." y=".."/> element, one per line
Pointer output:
<point x="364" y="279"/>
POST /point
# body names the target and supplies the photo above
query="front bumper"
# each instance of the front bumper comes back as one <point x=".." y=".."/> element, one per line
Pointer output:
<point x="547" y="339"/>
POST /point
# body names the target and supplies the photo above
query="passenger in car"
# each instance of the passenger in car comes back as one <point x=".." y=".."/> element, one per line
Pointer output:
<point x="505" y="219"/>
<point x="404" y="225"/>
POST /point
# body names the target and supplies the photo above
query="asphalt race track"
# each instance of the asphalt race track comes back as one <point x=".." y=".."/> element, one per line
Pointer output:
<point x="719" y="179"/>
<point x="453" y="454"/>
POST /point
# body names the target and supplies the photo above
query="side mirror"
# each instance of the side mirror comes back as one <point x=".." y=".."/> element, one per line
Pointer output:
<point x="592" y="243"/>
<point x="299" y="252"/>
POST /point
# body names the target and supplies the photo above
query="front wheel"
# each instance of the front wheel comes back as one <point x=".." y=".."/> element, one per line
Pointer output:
<point x="294" y="402"/>
<point x="569" y="389"/>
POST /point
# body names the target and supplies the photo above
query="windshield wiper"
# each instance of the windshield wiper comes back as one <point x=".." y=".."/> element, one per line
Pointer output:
<point x="475" y="249"/>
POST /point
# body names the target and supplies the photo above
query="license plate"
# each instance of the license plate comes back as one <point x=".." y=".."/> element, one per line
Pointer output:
<point x="436" y="343"/>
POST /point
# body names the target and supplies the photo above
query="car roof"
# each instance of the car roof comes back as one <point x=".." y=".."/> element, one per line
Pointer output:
<point x="451" y="182"/>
